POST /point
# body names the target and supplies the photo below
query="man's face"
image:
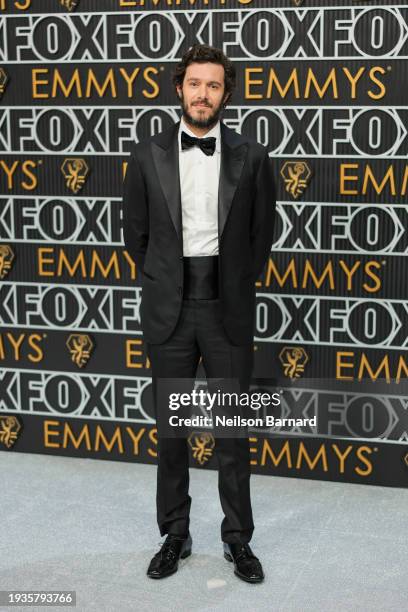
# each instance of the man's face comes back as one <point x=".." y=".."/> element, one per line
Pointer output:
<point x="202" y="94"/>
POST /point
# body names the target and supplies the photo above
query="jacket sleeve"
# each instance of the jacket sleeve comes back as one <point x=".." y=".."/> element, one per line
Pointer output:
<point x="263" y="215"/>
<point x="135" y="214"/>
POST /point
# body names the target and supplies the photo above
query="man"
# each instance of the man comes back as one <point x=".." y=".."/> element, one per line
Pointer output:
<point x="198" y="211"/>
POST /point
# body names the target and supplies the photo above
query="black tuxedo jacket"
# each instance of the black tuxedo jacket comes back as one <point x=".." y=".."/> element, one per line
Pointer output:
<point x="152" y="229"/>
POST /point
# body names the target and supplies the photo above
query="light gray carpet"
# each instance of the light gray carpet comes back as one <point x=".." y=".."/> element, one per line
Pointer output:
<point x="89" y="526"/>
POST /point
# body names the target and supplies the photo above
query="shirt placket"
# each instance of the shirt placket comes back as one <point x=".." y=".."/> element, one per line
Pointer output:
<point x="200" y="184"/>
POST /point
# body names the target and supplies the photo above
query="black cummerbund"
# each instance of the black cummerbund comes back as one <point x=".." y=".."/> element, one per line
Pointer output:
<point x="201" y="277"/>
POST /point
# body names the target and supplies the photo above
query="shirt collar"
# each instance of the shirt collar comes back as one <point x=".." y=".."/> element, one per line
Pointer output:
<point x="215" y="132"/>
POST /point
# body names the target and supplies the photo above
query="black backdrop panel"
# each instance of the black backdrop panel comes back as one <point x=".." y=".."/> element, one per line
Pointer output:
<point x="324" y="88"/>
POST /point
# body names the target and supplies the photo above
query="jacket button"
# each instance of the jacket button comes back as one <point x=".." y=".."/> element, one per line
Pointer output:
<point x="181" y="257"/>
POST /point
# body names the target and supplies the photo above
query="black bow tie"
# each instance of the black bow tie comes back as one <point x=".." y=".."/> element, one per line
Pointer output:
<point x="207" y="145"/>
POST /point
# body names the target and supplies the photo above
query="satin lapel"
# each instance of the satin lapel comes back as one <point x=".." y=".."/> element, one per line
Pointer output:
<point x="166" y="158"/>
<point x="232" y="163"/>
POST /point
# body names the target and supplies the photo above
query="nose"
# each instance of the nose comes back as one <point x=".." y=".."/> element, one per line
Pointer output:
<point x="202" y="92"/>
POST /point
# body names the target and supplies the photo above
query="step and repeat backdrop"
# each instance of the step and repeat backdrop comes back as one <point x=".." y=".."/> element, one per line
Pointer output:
<point x="324" y="86"/>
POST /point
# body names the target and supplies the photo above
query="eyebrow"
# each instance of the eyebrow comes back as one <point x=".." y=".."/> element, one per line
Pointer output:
<point x="197" y="79"/>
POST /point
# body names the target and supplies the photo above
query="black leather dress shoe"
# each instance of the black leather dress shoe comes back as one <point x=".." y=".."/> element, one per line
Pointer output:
<point x="247" y="566"/>
<point x="165" y="562"/>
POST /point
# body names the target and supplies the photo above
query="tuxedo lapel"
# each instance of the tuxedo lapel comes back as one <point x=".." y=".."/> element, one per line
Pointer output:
<point x="233" y="155"/>
<point x="166" y="158"/>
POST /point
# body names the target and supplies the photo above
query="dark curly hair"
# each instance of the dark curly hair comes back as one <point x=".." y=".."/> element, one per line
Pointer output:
<point x="206" y="53"/>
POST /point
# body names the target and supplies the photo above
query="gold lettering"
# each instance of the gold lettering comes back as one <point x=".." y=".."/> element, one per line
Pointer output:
<point x="342" y="457"/>
<point x="69" y="437"/>
<point x="402" y="365"/>
<point x="281" y="280"/>
<point x="361" y="455"/>
<point x="267" y="450"/>
<point x="347" y="177"/>
<point x="129" y="80"/>
<point x="156" y="90"/>
<point x="9" y="172"/>
<point x="135" y="438"/>
<point x="405" y="182"/>
<point x="37" y="81"/>
<point x="153" y="438"/>
<point x="63" y="263"/>
<point x="33" y="184"/>
<point x="353" y="80"/>
<point x="100" y="436"/>
<point x="101" y="90"/>
<point x="249" y="82"/>
<point x="318" y="281"/>
<point x="368" y="271"/>
<point x="37" y="348"/>
<point x="16" y="344"/>
<point x="349" y="273"/>
<point x="130" y="352"/>
<point x="389" y="177"/>
<point x="331" y="80"/>
<point x="253" y="449"/>
<point x="321" y="453"/>
<point x="97" y="263"/>
<point x="381" y="85"/>
<point x="293" y="80"/>
<point x="74" y="82"/>
<point x="365" y="365"/>
<point x="131" y="263"/>
<point x="48" y="433"/>
<point x="42" y="261"/>
<point x="340" y="365"/>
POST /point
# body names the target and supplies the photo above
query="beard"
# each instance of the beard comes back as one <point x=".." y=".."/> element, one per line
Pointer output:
<point x="207" y="122"/>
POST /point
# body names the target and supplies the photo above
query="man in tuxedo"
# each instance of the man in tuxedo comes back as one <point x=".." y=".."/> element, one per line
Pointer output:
<point x="198" y="212"/>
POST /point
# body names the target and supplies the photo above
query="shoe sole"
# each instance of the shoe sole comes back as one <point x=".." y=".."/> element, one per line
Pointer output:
<point x="185" y="554"/>
<point x="251" y="580"/>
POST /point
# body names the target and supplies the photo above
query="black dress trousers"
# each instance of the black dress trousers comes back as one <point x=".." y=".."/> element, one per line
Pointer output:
<point x="199" y="331"/>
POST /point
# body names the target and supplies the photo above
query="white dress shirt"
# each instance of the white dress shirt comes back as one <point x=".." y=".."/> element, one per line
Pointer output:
<point x="199" y="177"/>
